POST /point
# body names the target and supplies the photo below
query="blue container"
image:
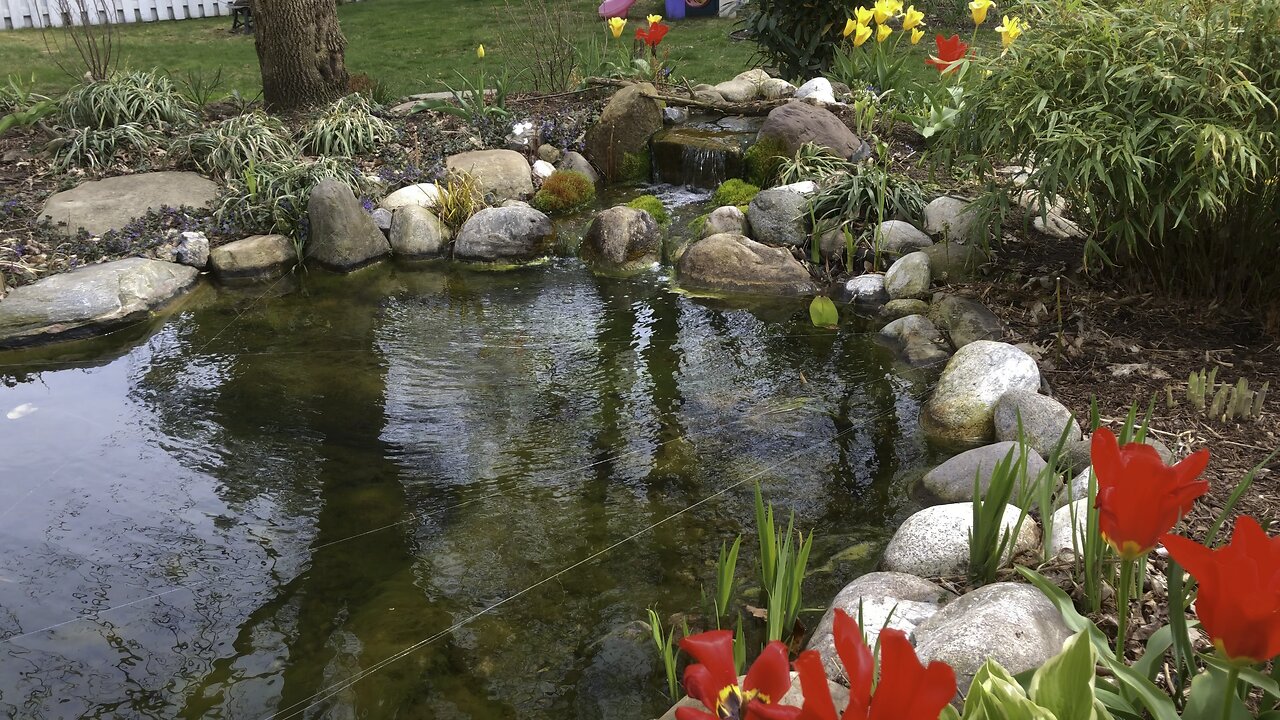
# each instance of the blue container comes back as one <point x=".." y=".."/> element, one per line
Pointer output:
<point x="675" y="9"/>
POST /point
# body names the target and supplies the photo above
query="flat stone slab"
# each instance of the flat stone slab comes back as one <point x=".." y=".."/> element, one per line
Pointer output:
<point x="110" y="204"/>
<point x="92" y="299"/>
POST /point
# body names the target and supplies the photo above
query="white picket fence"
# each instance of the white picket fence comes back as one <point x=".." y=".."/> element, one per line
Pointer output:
<point x="17" y="14"/>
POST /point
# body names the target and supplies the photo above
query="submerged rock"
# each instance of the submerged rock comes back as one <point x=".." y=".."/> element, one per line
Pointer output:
<point x="507" y="234"/>
<point x="919" y="342"/>
<point x="614" y="684"/>
<point x="622" y="238"/>
<point x="737" y="264"/>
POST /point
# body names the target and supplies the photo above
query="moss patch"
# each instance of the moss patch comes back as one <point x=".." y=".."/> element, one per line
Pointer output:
<point x="763" y="160"/>
<point x="563" y="191"/>
<point x="734" y="192"/>
<point x="636" y="167"/>
<point x="652" y="205"/>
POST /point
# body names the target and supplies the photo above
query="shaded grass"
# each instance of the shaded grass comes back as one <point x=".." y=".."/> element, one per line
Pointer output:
<point x="409" y="45"/>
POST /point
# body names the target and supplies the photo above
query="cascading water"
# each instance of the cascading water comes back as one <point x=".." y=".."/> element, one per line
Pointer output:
<point x="703" y="152"/>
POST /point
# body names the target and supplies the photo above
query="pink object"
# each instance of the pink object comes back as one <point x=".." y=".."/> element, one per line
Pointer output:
<point x="615" y="8"/>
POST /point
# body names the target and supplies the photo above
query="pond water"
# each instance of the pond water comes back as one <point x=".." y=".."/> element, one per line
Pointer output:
<point x="419" y="493"/>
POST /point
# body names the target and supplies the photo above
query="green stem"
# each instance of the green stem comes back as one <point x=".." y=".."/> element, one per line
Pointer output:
<point x="1122" y="606"/>
<point x="1229" y="691"/>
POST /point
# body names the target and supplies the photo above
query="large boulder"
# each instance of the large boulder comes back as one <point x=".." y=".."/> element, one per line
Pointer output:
<point x="417" y="234"/>
<point x="259" y="257"/>
<point x="877" y="600"/>
<point x="780" y="215"/>
<point x="917" y="339"/>
<point x="908" y="277"/>
<point x="623" y="129"/>
<point x="866" y="290"/>
<point x="1042" y="420"/>
<point x="738" y="90"/>
<point x="576" y="162"/>
<point x="898" y="238"/>
<point x="935" y="541"/>
<point x="502" y="174"/>
<point x="343" y="236"/>
<point x="954" y="262"/>
<point x="726" y="219"/>
<point x="949" y="218"/>
<point x="737" y="264"/>
<point x="90" y="300"/>
<point x="622" y="238"/>
<point x="965" y="320"/>
<point x="422" y="195"/>
<point x="1011" y="623"/>
<point x="952" y="481"/>
<point x="962" y="406"/>
<point x="110" y="204"/>
<point x="506" y="234"/>
<point x="791" y="125"/>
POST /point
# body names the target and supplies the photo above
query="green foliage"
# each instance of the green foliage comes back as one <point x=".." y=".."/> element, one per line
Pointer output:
<point x="27" y="116"/>
<point x="471" y="100"/>
<point x="866" y="194"/>
<point x="346" y="128"/>
<point x="139" y="98"/>
<point x="989" y="539"/>
<point x="459" y="199"/>
<point x="199" y="87"/>
<point x="97" y="149"/>
<point x="784" y="555"/>
<point x="1158" y="123"/>
<point x="563" y="191"/>
<point x="1222" y="401"/>
<point x="734" y="192"/>
<point x="800" y="38"/>
<point x="726" y="568"/>
<point x="667" y="650"/>
<point x="763" y="161"/>
<point x="636" y="167"/>
<point x="227" y="147"/>
<point x="271" y="197"/>
<point x="652" y="205"/>
<point x="371" y="88"/>
<point x="811" y="162"/>
<point x="823" y="312"/>
<point x="1061" y="689"/>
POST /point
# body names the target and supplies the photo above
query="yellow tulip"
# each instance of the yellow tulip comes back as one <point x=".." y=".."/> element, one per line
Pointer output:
<point x="480" y="52"/>
<point x="864" y="15"/>
<point x="882" y="32"/>
<point x="916" y="35"/>
<point x="979" y="8"/>
<point x="849" y="27"/>
<point x="1010" y="30"/>
<point x="912" y="18"/>
<point x="654" y="19"/>
<point x="616" y="25"/>
<point x="883" y="11"/>
<point x="860" y="34"/>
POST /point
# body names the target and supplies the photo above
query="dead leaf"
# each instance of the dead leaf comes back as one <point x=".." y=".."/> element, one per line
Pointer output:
<point x="756" y="612"/>
<point x="1143" y="369"/>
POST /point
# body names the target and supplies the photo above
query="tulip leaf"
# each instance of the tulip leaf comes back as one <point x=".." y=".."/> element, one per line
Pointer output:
<point x="823" y="312"/>
<point x="1205" y="699"/>
<point x="1064" y="684"/>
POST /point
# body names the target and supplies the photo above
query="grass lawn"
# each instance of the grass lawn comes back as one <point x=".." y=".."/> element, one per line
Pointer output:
<point x="409" y="45"/>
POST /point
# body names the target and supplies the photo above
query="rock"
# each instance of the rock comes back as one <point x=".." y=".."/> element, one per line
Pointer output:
<point x="343" y="236"/>
<point x="1077" y="489"/>
<point x="575" y="161"/>
<point x="674" y="115"/>
<point x="797" y="123"/>
<point x="543" y="169"/>
<point x="1043" y="420"/>
<point x="89" y="300"/>
<point x="417" y="234"/>
<point x="733" y="263"/>
<point x="622" y="238"/>
<point x="549" y="153"/>
<point x="908" y="277"/>
<point x="709" y="96"/>
<point x="952" y="481"/>
<point x="504" y="174"/>
<point x="192" y="248"/>
<point x="954" y="262"/>
<point x="738" y="91"/>
<point x="817" y="90"/>
<point x="776" y="89"/>
<point x="423" y="195"/>
<point x="780" y="216"/>
<point x="919" y="341"/>
<point x="755" y="76"/>
<point x="726" y="219"/>
<point x="509" y="234"/>
<point x="866" y="290"/>
<point x="902" y="601"/>
<point x="793" y="698"/>
<point x="830" y="242"/>
<point x="948" y="218"/>
<point x="624" y="128"/>
<point x="515" y="203"/>
<point x="613" y="684"/>
<point x="965" y="320"/>
<point x="895" y="309"/>
<point x="110" y="204"/>
<point x="259" y="257"/>
<point x="381" y="218"/>
<point x="935" y="541"/>
<point x="1011" y="623"/>
<point x="898" y="238"/>
<point x="1060" y="539"/>
<point x="962" y="406"/>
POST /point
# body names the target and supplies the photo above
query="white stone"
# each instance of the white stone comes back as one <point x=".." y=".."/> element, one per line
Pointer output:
<point x="1060" y="532"/>
<point x="543" y="169"/>
<point x="908" y="277"/>
<point x="819" y="90"/>
<point x="934" y="542"/>
<point x="962" y="406"/>
<point x="423" y="195"/>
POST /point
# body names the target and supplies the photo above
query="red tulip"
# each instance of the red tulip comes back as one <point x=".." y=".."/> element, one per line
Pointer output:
<point x="950" y="50"/>
<point x="653" y="34"/>
<point x="907" y="689"/>
<point x="1139" y="497"/>
<point x="1239" y="598"/>
<point x="715" y="682"/>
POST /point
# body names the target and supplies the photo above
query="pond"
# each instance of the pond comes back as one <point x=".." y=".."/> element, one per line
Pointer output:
<point x="421" y="493"/>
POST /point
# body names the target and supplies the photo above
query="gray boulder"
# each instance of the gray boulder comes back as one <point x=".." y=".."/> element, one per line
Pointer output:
<point x="1069" y="517"/>
<point x="934" y="542"/>
<point x="796" y="123"/>
<point x="1011" y="623"/>
<point x="965" y="320"/>
<point x="507" y="234"/>
<point x="952" y="481"/>
<point x="622" y="238"/>
<point x="726" y="219"/>
<point x="90" y="300"/>
<point x="190" y="248"/>
<point x="343" y="236"/>
<point x="624" y="127"/>
<point x="1043" y="420"/>
<point x="779" y="216"/>
<point x="382" y="218"/>
<point x="866" y="290"/>
<point x="953" y="262"/>
<point x="776" y="89"/>
<point x="919" y="342"/>
<point x="576" y="162"/>
<point x="259" y="257"/>
<point x="110" y="204"/>
<point x="949" y="218"/>
<point x="549" y="153"/>
<point x="417" y="234"/>
<point x="737" y="264"/>
<point x="738" y="91"/>
<point x="962" y="406"/>
<point x="898" y="238"/>
<point x="877" y="600"/>
<point x="895" y="309"/>
<point x="908" y="277"/>
<point x="502" y="174"/>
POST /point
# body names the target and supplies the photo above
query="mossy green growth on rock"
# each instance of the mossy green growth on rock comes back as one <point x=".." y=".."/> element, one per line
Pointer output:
<point x="734" y="192"/>
<point x="563" y="191"/>
<point x="636" y="167"/>
<point x="652" y="205"/>
<point x="696" y="224"/>
<point x="763" y="161"/>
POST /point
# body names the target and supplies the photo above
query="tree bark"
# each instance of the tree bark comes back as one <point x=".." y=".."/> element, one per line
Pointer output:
<point x="300" y="52"/>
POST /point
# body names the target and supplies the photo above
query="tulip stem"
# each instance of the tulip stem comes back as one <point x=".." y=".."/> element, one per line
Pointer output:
<point x="1122" y="607"/>
<point x="1229" y="691"/>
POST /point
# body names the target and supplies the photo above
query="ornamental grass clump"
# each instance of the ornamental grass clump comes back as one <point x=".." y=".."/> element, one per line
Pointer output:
<point x="141" y="98"/>
<point x="228" y="147"/>
<point x="564" y="191"/>
<point x="346" y="128"/>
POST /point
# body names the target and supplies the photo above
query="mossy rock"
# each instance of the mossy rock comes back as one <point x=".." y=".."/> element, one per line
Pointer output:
<point x="636" y="167"/>
<point x="652" y="205"/>
<point x="763" y="161"/>
<point x="563" y="191"/>
<point x="734" y="192"/>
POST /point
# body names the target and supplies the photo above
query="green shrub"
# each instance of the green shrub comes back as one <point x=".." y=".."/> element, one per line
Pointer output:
<point x="140" y="98"/>
<point x="346" y="128"/>
<point x="272" y="197"/>
<point x="228" y="147"/>
<point x="868" y="194"/>
<point x="811" y="162"/>
<point x="563" y="191"/>
<point x="1158" y="125"/>
<point x="652" y="205"/>
<point x="734" y="192"/>
<point x="97" y="149"/>
<point x="459" y="200"/>
<point x="800" y="38"/>
<point x="764" y="161"/>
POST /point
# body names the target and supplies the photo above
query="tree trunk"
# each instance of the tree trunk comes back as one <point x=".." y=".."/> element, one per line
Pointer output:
<point x="300" y="51"/>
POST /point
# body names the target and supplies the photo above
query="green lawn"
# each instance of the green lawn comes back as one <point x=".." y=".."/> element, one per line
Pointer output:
<point x="409" y="45"/>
